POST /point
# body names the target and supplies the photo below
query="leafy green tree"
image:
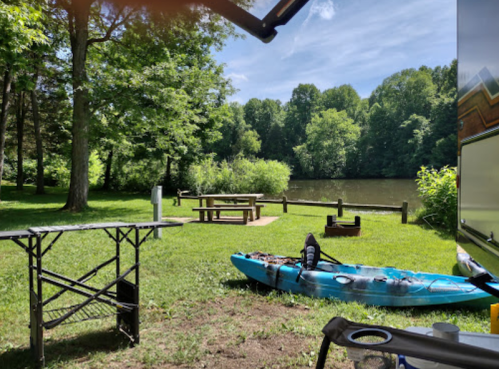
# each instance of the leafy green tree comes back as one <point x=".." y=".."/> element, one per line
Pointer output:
<point x="392" y="103"/>
<point x="249" y="143"/>
<point x="304" y="102"/>
<point x="266" y="118"/>
<point x="252" y="114"/>
<point x="177" y="88"/>
<point x="341" y="98"/>
<point x="414" y="143"/>
<point x="443" y="138"/>
<point x="231" y="131"/>
<point x="20" y="29"/>
<point x="331" y="139"/>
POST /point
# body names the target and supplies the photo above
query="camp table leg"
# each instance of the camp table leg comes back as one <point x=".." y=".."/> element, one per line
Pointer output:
<point x="245" y="216"/>
<point x="117" y="245"/>
<point x="36" y="314"/>
<point x="135" y="326"/>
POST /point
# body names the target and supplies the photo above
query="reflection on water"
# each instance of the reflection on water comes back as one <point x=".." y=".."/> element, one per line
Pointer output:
<point x="359" y="191"/>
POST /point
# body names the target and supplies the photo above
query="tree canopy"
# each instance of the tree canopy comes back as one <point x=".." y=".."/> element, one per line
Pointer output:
<point x="408" y="121"/>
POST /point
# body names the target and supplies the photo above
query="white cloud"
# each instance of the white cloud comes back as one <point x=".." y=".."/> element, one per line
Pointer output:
<point x="237" y="77"/>
<point x="324" y="9"/>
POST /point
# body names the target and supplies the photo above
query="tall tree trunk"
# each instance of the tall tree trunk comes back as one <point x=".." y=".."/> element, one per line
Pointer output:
<point x="78" y="188"/>
<point x="168" y="174"/>
<point x="7" y="82"/>
<point x="40" y="179"/>
<point x="20" y="116"/>
<point x="107" y="174"/>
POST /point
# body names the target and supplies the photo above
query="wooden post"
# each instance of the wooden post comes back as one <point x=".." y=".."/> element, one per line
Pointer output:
<point x="405" y="207"/>
<point x="340" y="208"/>
<point x="329" y="220"/>
<point x="179" y="194"/>
<point x="284" y="204"/>
<point x="200" y="202"/>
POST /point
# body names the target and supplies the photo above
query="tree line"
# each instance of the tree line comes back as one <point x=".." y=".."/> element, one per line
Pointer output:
<point x="101" y="94"/>
<point x="408" y="121"/>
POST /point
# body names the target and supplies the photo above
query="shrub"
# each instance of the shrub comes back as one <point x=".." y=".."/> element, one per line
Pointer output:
<point x="95" y="170"/>
<point x="240" y="176"/>
<point x="201" y="178"/>
<point x="134" y="175"/>
<point x="438" y="193"/>
<point x="57" y="171"/>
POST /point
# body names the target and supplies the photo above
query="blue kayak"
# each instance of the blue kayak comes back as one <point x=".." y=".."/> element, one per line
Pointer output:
<point x="350" y="282"/>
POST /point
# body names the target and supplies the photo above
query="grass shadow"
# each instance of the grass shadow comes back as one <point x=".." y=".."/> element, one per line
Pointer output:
<point x="20" y="217"/>
<point x="251" y="285"/>
<point x="79" y="348"/>
<point x="442" y="233"/>
<point x="307" y="215"/>
<point x="59" y="195"/>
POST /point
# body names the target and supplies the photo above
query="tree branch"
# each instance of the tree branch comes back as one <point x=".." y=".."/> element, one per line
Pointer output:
<point x="114" y="25"/>
<point x="69" y="9"/>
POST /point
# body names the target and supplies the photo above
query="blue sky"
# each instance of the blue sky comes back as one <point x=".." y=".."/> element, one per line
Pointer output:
<point x="334" y="42"/>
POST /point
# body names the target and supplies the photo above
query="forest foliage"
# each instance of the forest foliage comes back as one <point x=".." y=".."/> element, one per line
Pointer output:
<point x="148" y="104"/>
<point x="409" y="121"/>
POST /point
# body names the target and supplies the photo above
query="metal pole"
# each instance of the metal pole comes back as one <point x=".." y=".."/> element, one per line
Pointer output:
<point x="156" y="198"/>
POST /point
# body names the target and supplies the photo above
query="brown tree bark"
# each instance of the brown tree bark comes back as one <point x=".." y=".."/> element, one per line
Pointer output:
<point x="7" y="83"/>
<point x="107" y="174"/>
<point x="20" y="117"/>
<point x="78" y="188"/>
<point x="168" y="175"/>
<point x="78" y="20"/>
<point x="40" y="178"/>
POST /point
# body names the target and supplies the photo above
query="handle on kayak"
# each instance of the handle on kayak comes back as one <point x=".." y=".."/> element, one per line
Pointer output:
<point x="348" y="278"/>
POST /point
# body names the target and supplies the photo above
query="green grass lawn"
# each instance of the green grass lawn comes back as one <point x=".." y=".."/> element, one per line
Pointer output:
<point x="197" y="310"/>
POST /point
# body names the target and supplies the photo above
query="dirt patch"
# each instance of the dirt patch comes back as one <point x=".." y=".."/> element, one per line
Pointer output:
<point x="263" y="221"/>
<point x="230" y="332"/>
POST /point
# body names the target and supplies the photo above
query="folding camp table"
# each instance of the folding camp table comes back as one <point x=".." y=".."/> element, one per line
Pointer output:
<point x="123" y="300"/>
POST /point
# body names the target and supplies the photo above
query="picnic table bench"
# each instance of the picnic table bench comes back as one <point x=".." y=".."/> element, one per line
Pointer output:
<point x="220" y="206"/>
<point x="248" y="209"/>
<point x="218" y="209"/>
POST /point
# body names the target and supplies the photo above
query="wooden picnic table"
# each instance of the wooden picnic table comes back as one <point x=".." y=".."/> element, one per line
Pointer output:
<point x="249" y="197"/>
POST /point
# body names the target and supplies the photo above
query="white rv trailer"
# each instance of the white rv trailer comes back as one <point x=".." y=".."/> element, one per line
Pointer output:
<point x="478" y="131"/>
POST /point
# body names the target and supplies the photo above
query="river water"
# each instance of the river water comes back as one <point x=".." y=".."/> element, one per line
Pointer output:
<point x="359" y="191"/>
